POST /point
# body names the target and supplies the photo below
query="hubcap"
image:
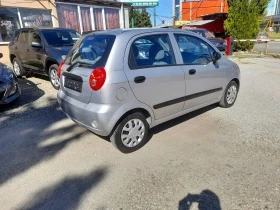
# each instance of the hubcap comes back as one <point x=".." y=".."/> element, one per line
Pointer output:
<point x="54" y="77"/>
<point x="16" y="68"/>
<point x="231" y="94"/>
<point x="133" y="133"/>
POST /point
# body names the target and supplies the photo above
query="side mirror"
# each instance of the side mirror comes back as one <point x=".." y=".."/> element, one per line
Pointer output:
<point x="216" y="56"/>
<point x="1" y="55"/>
<point x="36" y="45"/>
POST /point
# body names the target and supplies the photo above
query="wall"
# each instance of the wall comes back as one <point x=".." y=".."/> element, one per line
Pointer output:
<point x="42" y="4"/>
<point x="195" y="9"/>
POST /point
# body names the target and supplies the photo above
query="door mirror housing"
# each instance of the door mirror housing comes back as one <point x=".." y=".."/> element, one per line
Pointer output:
<point x="1" y="55"/>
<point x="36" y="45"/>
<point x="216" y="56"/>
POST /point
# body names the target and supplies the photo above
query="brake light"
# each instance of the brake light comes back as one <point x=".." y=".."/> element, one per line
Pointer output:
<point x="97" y="78"/>
<point x="60" y="69"/>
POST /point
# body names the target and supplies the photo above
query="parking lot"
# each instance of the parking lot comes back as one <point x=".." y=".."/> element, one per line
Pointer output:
<point x="213" y="158"/>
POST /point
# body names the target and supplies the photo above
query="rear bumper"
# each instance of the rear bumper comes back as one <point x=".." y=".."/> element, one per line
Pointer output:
<point x="98" y="118"/>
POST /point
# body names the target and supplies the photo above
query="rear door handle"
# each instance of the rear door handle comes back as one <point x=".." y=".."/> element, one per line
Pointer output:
<point x="192" y="72"/>
<point x="139" y="79"/>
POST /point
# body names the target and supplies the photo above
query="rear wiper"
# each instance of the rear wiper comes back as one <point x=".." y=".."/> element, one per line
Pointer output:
<point x="77" y="64"/>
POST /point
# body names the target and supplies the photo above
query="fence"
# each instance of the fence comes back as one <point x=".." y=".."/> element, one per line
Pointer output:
<point x="265" y="46"/>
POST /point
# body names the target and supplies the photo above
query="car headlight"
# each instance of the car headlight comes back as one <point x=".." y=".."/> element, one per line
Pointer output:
<point x="8" y="75"/>
<point x="13" y="90"/>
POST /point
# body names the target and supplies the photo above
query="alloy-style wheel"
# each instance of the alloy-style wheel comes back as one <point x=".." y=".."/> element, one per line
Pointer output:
<point x="230" y="95"/>
<point x="131" y="133"/>
<point x="53" y="76"/>
<point x="17" y="68"/>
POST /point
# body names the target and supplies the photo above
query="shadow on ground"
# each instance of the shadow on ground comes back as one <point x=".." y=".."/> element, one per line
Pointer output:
<point x="30" y="93"/>
<point x="181" y="119"/>
<point x="26" y="126"/>
<point x="67" y="194"/>
<point x="206" y="200"/>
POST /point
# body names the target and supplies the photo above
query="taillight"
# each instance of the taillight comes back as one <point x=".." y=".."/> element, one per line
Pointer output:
<point x="60" y="69"/>
<point x="97" y="78"/>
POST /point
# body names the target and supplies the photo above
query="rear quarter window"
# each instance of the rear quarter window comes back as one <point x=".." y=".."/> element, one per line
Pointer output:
<point x="23" y="37"/>
<point x="92" y="49"/>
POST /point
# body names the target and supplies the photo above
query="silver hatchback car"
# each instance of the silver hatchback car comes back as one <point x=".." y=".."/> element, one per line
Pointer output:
<point x="121" y="83"/>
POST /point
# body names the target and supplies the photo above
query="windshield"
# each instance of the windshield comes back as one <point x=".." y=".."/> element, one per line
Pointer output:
<point x="92" y="49"/>
<point x="61" y="37"/>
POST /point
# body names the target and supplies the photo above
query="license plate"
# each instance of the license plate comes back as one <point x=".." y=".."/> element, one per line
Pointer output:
<point x="73" y="84"/>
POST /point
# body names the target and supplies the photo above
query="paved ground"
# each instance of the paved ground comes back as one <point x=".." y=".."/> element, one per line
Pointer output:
<point x="211" y="159"/>
<point x="272" y="47"/>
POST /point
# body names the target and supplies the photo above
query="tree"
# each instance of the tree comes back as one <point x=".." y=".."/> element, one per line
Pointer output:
<point x="243" y="21"/>
<point x="141" y="18"/>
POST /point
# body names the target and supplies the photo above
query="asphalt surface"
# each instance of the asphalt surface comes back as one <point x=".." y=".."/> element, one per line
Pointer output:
<point x="213" y="158"/>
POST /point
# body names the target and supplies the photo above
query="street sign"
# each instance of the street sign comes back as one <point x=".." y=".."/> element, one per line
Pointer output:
<point x="141" y="3"/>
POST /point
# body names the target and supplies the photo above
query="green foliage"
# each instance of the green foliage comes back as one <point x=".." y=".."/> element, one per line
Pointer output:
<point x="243" y="21"/>
<point x="141" y="18"/>
<point x="243" y="46"/>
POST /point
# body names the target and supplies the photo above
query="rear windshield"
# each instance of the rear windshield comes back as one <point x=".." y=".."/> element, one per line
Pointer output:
<point x="58" y="38"/>
<point x="91" y="49"/>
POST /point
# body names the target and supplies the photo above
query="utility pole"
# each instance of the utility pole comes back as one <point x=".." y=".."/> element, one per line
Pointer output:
<point x="155" y="21"/>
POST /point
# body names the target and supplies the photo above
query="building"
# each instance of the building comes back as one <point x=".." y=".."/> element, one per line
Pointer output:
<point x="208" y="14"/>
<point x="75" y="14"/>
<point x="195" y="10"/>
<point x="176" y="9"/>
<point x="277" y="7"/>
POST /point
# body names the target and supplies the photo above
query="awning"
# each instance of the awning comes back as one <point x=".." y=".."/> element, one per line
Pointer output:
<point x="198" y="22"/>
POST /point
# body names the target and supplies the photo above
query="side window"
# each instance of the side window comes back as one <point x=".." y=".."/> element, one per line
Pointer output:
<point x="16" y="35"/>
<point x="148" y="51"/>
<point x="34" y="37"/>
<point x="194" y="51"/>
<point x="23" y="37"/>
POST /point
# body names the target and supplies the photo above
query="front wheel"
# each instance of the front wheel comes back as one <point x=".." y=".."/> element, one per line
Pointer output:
<point x="53" y="76"/>
<point x="131" y="133"/>
<point x="230" y="95"/>
<point x="17" y="68"/>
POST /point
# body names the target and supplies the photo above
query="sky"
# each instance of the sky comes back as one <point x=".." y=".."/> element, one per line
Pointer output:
<point x="163" y="12"/>
<point x="271" y="7"/>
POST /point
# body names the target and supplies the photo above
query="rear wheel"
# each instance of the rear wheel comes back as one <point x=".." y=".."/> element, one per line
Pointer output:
<point x="53" y="76"/>
<point x="131" y="134"/>
<point x="17" y="68"/>
<point x="230" y="95"/>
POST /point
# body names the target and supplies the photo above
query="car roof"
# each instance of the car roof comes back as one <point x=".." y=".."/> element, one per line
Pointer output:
<point x="46" y="29"/>
<point x="197" y="29"/>
<point x="135" y="31"/>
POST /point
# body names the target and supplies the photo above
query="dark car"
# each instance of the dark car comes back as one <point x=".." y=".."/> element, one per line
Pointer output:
<point x="218" y="42"/>
<point x="41" y="50"/>
<point x="9" y="89"/>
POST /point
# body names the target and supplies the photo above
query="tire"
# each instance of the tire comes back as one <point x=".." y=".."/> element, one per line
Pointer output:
<point x="53" y="76"/>
<point x="134" y="124"/>
<point x="17" y="68"/>
<point x="230" y="95"/>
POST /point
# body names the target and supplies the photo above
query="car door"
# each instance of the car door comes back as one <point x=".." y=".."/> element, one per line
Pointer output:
<point x="21" y="47"/>
<point x="204" y="78"/>
<point x="36" y="52"/>
<point x="153" y="75"/>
